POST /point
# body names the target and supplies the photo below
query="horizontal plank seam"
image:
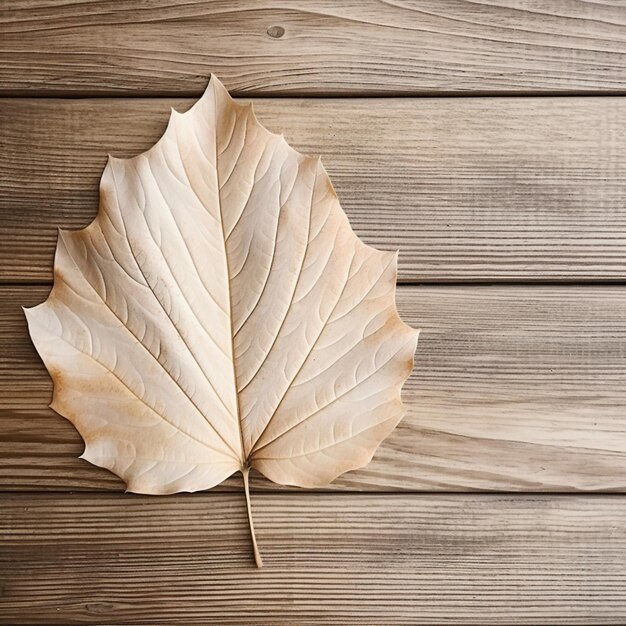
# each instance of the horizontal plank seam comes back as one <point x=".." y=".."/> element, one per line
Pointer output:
<point x="510" y="282"/>
<point x="452" y="283"/>
<point x="312" y="493"/>
<point x="293" y="95"/>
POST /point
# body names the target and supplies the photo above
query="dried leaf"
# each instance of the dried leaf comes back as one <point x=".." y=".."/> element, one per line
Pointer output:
<point x="219" y="314"/>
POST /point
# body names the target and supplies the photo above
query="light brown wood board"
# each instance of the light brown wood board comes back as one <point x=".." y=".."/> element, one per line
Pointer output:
<point x="319" y="47"/>
<point x="331" y="558"/>
<point x="514" y="388"/>
<point x="478" y="189"/>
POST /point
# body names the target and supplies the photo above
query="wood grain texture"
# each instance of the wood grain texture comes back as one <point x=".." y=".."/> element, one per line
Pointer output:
<point x="320" y="47"/>
<point x="521" y="189"/>
<point x="351" y="559"/>
<point x="514" y="388"/>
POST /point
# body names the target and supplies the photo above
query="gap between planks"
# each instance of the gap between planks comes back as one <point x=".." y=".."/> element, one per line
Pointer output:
<point x="272" y="489"/>
<point x="348" y="95"/>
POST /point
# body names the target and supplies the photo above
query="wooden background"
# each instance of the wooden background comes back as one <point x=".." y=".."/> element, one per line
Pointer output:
<point x="487" y="140"/>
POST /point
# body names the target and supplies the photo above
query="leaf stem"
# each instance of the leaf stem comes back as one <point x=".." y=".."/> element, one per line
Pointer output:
<point x="257" y="555"/>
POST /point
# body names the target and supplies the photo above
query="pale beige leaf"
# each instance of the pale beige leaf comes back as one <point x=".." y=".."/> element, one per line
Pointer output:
<point x="220" y="314"/>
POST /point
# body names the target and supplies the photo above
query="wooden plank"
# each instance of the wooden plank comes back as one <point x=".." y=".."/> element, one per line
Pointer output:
<point x="515" y="388"/>
<point x="311" y="48"/>
<point x="330" y="559"/>
<point x="469" y="189"/>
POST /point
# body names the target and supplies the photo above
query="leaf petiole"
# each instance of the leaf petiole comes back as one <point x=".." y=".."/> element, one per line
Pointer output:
<point x="257" y="555"/>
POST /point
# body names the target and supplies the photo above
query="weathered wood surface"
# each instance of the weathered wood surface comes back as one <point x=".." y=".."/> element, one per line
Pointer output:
<point x="340" y="559"/>
<point x="319" y="47"/>
<point x="484" y="189"/>
<point x="514" y="388"/>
